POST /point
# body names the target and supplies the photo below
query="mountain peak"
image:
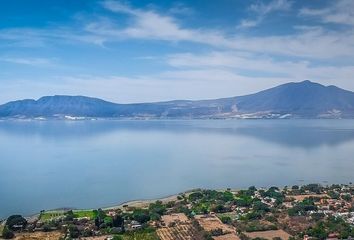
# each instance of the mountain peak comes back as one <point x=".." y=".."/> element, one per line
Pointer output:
<point x="309" y="83"/>
<point x="304" y="99"/>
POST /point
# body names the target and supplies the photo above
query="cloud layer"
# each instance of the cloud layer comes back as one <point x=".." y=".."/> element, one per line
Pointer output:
<point x="184" y="60"/>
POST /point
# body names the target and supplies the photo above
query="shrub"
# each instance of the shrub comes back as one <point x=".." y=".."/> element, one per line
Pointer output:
<point x="226" y="219"/>
<point x="15" y="220"/>
<point x="7" y="233"/>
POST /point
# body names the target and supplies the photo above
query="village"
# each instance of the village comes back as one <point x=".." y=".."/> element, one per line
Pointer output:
<point x="298" y="212"/>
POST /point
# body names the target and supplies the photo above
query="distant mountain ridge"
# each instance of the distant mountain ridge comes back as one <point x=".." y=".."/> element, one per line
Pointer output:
<point x="292" y="100"/>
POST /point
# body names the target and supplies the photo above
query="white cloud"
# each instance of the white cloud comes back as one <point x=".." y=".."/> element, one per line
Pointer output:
<point x="36" y="62"/>
<point x="264" y="66"/>
<point x="262" y="10"/>
<point x="235" y="64"/>
<point x="147" y="24"/>
<point x="275" y="5"/>
<point x="247" y="23"/>
<point x="151" y="25"/>
<point x="340" y="12"/>
<point x="32" y="37"/>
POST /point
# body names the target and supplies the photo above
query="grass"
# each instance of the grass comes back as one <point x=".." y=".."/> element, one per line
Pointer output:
<point x="232" y="215"/>
<point x="140" y="236"/>
<point x="50" y="215"/>
<point x="84" y="213"/>
<point x="147" y="234"/>
<point x="1" y="229"/>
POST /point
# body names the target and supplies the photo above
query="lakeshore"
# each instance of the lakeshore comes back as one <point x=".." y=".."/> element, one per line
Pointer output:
<point x="309" y="211"/>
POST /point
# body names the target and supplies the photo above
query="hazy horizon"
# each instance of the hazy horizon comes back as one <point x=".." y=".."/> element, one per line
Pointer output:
<point x="189" y="99"/>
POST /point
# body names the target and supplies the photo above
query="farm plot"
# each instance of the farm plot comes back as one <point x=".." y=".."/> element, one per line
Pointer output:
<point x="183" y="231"/>
<point x="230" y="236"/>
<point x="177" y="226"/>
<point x="39" y="236"/>
<point x="211" y="223"/>
<point x="269" y="234"/>
<point x="174" y="218"/>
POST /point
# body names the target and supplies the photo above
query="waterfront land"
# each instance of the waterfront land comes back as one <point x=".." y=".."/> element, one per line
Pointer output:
<point x="298" y="212"/>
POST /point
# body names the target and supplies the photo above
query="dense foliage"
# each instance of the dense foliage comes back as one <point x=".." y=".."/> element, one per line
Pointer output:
<point x="16" y="220"/>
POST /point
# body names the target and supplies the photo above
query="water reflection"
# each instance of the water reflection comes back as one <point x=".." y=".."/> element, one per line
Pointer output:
<point x="89" y="164"/>
<point x="293" y="133"/>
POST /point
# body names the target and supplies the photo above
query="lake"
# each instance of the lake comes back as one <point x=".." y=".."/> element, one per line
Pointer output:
<point x="91" y="164"/>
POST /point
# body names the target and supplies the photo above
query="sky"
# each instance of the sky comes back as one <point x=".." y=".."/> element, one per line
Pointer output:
<point x="147" y="51"/>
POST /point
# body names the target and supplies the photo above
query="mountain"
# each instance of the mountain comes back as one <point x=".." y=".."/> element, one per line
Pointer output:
<point x="292" y="100"/>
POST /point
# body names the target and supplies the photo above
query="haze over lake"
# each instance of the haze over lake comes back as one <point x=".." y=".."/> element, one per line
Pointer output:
<point x="91" y="164"/>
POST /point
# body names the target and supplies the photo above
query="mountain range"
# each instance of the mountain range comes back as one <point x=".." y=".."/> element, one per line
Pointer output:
<point x="291" y="100"/>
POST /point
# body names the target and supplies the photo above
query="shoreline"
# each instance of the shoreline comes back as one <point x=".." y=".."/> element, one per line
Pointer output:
<point x="138" y="203"/>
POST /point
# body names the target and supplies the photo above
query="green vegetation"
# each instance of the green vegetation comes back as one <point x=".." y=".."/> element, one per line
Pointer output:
<point x="84" y="214"/>
<point x="332" y="225"/>
<point x="255" y="226"/>
<point x="7" y="233"/>
<point x="141" y="215"/>
<point x="302" y="207"/>
<point x="206" y="201"/>
<point x="1" y="228"/>
<point x="15" y="222"/>
<point x="146" y="234"/>
<point x="244" y="198"/>
<point x="226" y="219"/>
<point x="230" y="215"/>
<point x="50" y="215"/>
<point x="320" y="212"/>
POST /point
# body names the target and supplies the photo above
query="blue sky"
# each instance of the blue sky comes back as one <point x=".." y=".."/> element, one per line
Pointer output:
<point x="138" y="51"/>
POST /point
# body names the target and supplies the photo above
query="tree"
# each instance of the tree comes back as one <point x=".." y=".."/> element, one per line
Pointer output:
<point x="118" y="221"/>
<point x="259" y="206"/>
<point x="16" y="220"/>
<point x="69" y="215"/>
<point x="74" y="231"/>
<point x="226" y="219"/>
<point x="195" y="196"/>
<point x="219" y="208"/>
<point x="141" y="215"/>
<point x="97" y="221"/>
<point x="7" y="233"/>
<point x="347" y="197"/>
<point x="227" y="196"/>
<point x="157" y="207"/>
<point x="108" y="221"/>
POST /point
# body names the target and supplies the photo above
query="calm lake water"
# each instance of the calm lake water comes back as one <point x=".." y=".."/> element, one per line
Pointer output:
<point x="91" y="164"/>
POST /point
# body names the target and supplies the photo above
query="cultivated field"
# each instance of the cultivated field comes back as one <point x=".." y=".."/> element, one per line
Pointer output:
<point x="177" y="227"/>
<point x="174" y="218"/>
<point x="211" y="222"/>
<point x="95" y="238"/>
<point x="230" y="236"/>
<point x="39" y="236"/>
<point x="182" y="231"/>
<point x="268" y="234"/>
<point x="302" y="197"/>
